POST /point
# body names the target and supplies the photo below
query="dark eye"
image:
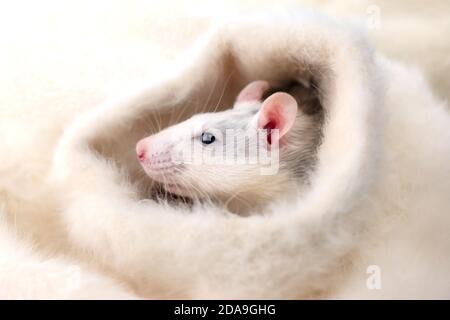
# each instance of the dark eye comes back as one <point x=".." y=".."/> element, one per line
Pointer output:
<point x="207" y="138"/>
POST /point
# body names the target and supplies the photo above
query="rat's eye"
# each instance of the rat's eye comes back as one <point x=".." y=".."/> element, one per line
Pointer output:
<point x="208" y="138"/>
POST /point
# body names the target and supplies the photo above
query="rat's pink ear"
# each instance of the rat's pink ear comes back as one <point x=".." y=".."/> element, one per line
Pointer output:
<point x="277" y="112"/>
<point x="254" y="91"/>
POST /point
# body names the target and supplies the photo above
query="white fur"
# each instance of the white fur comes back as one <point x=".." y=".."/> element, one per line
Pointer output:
<point x="27" y="275"/>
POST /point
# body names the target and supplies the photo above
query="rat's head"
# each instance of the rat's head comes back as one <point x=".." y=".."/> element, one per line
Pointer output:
<point x="223" y="154"/>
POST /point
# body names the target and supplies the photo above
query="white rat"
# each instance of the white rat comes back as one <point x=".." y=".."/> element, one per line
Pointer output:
<point x="167" y="155"/>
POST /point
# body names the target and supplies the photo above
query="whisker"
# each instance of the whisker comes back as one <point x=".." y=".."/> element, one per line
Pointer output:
<point x="223" y="91"/>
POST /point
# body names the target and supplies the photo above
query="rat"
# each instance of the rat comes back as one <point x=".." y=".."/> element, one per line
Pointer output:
<point x="262" y="119"/>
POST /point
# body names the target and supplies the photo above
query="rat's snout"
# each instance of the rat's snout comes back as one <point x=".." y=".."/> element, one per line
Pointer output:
<point x="141" y="149"/>
<point x="153" y="152"/>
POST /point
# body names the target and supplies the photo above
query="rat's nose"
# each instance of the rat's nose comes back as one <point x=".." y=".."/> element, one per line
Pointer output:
<point x="141" y="150"/>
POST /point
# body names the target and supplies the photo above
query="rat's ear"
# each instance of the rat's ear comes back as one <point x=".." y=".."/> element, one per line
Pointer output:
<point x="254" y="91"/>
<point x="277" y="112"/>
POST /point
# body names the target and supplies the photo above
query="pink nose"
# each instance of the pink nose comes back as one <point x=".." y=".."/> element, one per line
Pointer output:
<point x="141" y="150"/>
